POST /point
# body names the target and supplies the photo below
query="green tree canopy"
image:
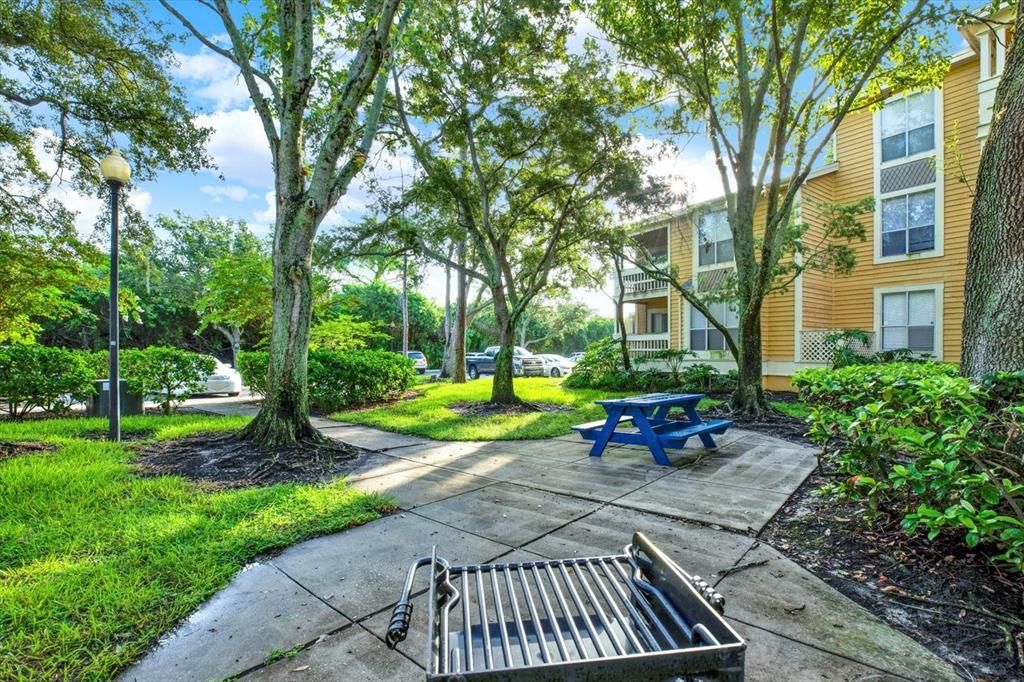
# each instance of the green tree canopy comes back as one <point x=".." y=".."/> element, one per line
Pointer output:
<point x="521" y="146"/>
<point x="769" y="83"/>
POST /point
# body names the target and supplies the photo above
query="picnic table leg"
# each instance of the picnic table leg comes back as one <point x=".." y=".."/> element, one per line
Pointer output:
<point x="605" y="435"/>
<point x="705" y="438"/>
<point x="652" y="438"/>
<point x="660" y="414"/>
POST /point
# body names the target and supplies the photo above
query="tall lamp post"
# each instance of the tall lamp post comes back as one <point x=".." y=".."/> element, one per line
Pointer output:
<point x="116" y="172"/>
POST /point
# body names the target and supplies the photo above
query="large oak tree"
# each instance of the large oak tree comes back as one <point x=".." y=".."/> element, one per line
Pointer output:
<point x="76" y="76"/>
<point x="769" y="82"/>
<point x="522" y="139"/>
<point x="993" y="327"/>
<point x="312" y="71"/>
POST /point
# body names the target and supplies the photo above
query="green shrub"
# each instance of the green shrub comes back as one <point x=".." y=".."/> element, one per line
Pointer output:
<point x="252" y="365"/>
<point x="601" y="360"/>
<point x="918" y="440"/>
<point x="169" y="373"/>
<point x="338" y="379"/>
<point x="34" y="376"/>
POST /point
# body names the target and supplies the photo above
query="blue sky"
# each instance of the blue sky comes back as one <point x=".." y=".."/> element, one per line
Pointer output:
<point x="241" y="184"/>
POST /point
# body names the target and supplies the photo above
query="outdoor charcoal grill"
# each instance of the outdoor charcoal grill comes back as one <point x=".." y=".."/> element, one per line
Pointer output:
<point x="635" y="615"/>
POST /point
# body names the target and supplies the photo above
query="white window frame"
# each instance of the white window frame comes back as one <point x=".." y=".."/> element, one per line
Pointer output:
<point x="685" y="334"/>
<point x="697" y="267"/>
<point x="937" y="289"/>
<point x="938" y="153"/>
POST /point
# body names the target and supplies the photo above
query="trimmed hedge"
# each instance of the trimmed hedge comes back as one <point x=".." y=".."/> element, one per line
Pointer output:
<point x="920" y="441"/>
<point x="339" y="379"/>
<point x="35" y="376"/>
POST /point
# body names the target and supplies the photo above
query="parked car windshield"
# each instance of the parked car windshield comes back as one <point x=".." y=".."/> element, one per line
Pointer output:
<point x="550" y="357"/>
<point x="415" y="355"/>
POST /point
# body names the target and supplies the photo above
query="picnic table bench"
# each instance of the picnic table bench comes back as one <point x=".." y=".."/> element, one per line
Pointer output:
<point x="649" y="414"/>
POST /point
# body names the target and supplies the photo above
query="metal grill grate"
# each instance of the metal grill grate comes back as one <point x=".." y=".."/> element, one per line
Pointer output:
<point x="610" y="616"/>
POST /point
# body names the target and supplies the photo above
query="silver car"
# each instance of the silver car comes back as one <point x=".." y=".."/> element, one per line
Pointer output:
<point x="419" y="360"/>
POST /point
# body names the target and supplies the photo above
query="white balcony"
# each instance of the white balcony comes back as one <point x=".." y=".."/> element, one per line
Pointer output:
<point x="643" y="345"/>
<point x="638" y="285"/>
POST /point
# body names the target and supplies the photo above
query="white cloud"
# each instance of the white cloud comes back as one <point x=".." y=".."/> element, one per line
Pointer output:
<point x="232" y="192"/>
<point x="213" y="78"/>
<point x="264" y="219"/>
<point x="239" y="147"/>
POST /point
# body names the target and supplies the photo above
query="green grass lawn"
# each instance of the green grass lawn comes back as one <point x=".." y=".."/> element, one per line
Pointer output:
<point x="97" y="562"/>
<point x="429" y="415"/>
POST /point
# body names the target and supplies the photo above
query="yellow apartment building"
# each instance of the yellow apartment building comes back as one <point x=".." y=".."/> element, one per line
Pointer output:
<point x="907" y="287"/>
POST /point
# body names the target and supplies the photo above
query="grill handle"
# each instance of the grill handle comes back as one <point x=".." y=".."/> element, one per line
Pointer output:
<point x="401" y="615"/>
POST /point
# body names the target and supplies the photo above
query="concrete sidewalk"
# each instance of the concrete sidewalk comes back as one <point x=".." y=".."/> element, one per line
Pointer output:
<point x="327" y="601"/>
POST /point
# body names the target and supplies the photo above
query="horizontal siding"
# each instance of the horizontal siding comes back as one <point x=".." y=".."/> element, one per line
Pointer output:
<point x="816" y="286"/>
<point x="853" y="296"/>
<point x="848" y="302"/>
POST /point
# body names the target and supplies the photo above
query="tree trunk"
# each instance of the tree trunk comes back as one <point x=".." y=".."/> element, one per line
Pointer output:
<point x="461" y="294"/>
<point x="993" y="327"/>
<point x="620" y="316"/>
<point x="234" y="336"/>
<point x="502" y="391"/>
<point x="749" y="398"/>
<point x="284" y="418"/>
<point x="446" y="360"/>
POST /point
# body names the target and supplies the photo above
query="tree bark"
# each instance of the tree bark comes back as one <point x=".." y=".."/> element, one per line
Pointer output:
<point x="459" y="346"/>
<point x="447" y="355"/>
<point x="993" y="326"/>
<point x="284" y="417"/>
<point x="234" y="336"/>
<point x="748" y="397"/>
<point x="620" y="316"/>
<point x="503" y="391"/>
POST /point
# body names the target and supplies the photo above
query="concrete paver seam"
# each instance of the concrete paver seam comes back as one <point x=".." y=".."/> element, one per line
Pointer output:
<point x="825" y="651"/>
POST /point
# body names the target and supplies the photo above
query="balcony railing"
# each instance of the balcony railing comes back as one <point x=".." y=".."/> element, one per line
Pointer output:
<point x="638" y="284"/>
<point x="815" y="348"/>
<point x="642" y="345"/>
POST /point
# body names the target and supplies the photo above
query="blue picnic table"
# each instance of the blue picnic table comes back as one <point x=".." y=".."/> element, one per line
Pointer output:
<point x="649" y="414"/>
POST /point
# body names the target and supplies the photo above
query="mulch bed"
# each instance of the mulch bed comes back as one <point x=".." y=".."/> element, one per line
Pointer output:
<point x="483" y="408"/>
<point x="773" y="424"/>
<point x="227" y="463"/>
<point x="9" y="449"/>
<point x="936" y="592"/>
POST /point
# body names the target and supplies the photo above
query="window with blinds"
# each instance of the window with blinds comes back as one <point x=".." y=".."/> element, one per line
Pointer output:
<point x="714" y="239"/>
<point x="908" y="126"/>
<point x="908" y="321"/>
<point x="704" y="336"/>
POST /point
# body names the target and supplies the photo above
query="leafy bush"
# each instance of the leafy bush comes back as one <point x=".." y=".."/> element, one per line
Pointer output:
<point x="602" y="359"/>
<point x="33" y="376"/>
<point x="340" y="378"/>
<point x="918" y="440"/>
<point x="601" y="368"/>
<point x="252" y="365"/>
<point x="172" y="374"/>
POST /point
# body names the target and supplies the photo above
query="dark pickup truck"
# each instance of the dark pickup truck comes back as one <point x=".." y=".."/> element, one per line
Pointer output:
<point x="524" y="363"/>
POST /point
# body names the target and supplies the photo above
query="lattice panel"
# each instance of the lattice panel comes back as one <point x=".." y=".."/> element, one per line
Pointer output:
<point x="814" y="347"/>
<point x="913" y="174"/>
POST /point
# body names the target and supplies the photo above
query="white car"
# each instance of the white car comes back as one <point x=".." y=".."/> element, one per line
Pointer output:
<point x="556" y="365"/>
<point x="225" y="379"/>
<point x="577" y="356"/>
<point x="419" y="360"/>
